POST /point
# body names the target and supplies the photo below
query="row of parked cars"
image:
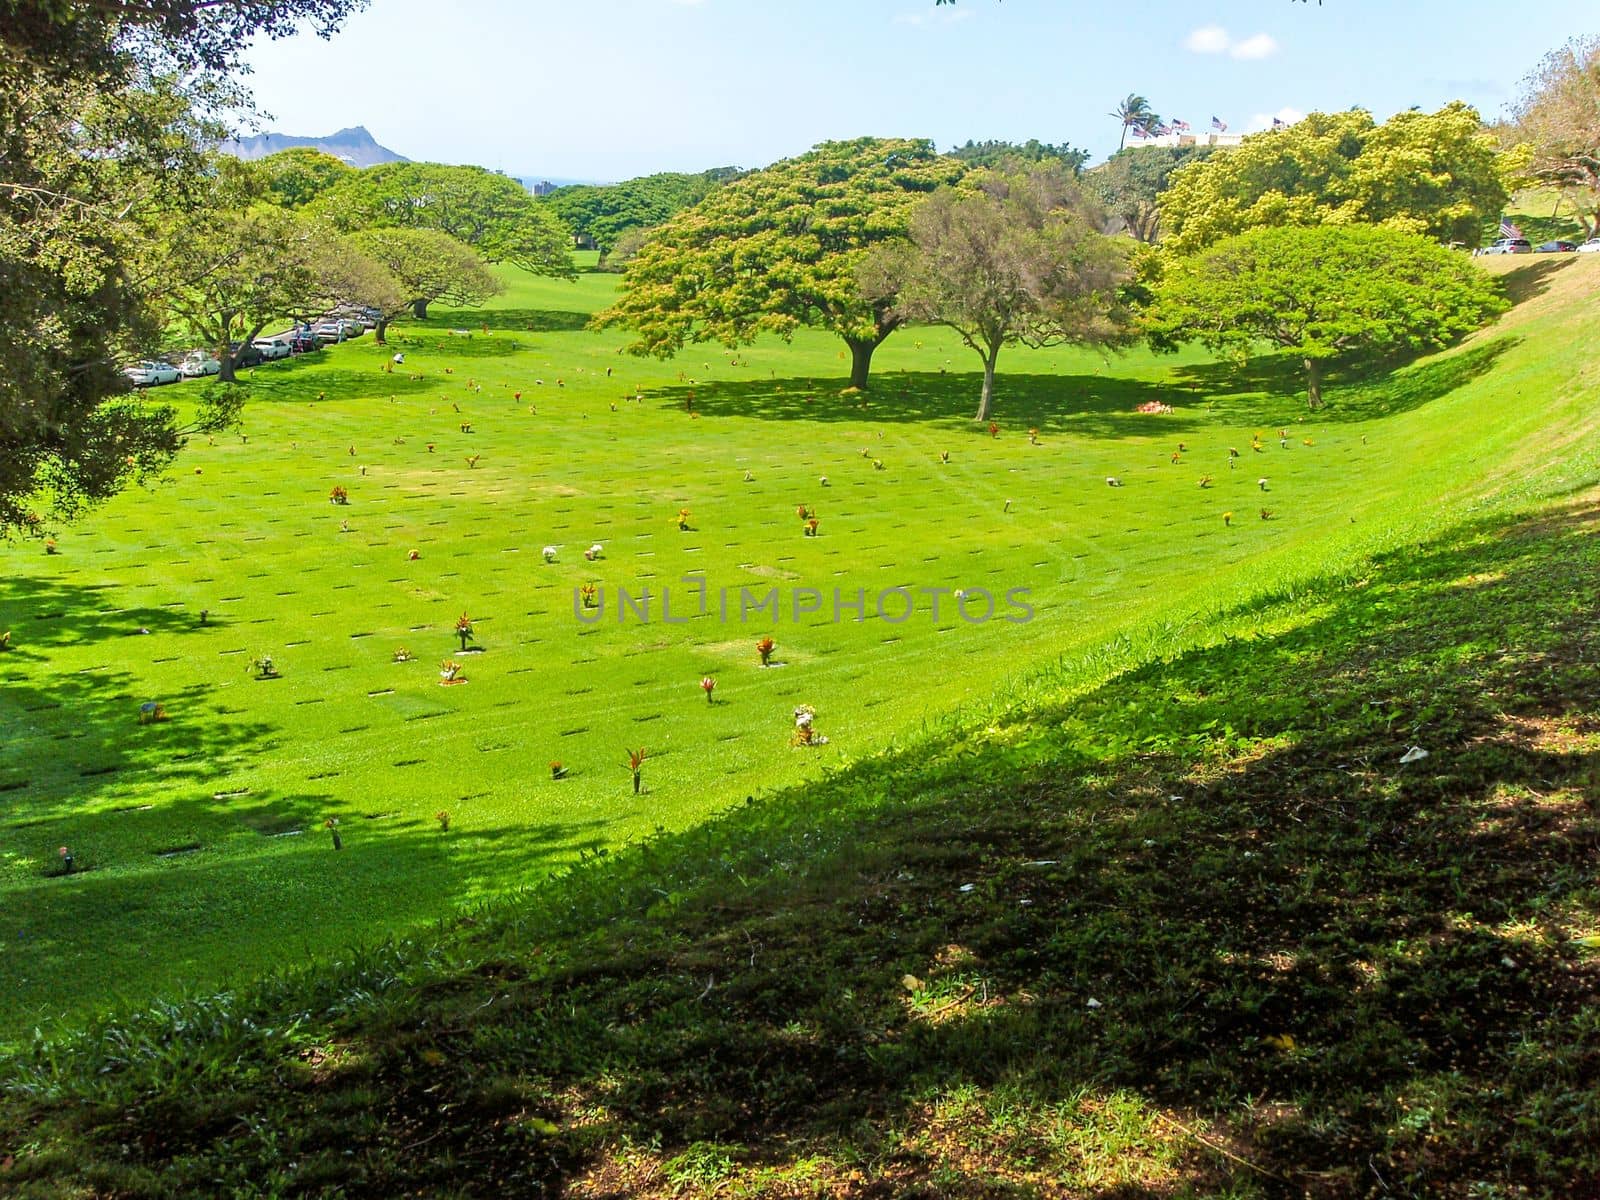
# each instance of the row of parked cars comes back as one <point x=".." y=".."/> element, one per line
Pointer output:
<point x="339" y="326"/>
<point x="1507" y="245"/>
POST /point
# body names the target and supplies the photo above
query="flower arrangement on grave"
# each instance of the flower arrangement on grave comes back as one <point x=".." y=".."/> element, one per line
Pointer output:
<point x="636" y="766"/>
<point x="683" y="520"/>
<point x="472" y="460"/>
<point x="805" y="732"/>
<point x="877" y="464"/>
<point x="67" y="860"/>
<point x="1033" y="437"/>
<point x="50" y="545"/>
<point x="557" y="770"/>
<point x="944" y="456"/>
<point x="994" y="429"/>
<point x="594" y="552"/>
<point x="549" y="553"/>
<point x="1176" y="458"/>
<point x="443" y="818"/>
<point x="764" y="648"/>
<point x="1205" y="481"/>
<point x="1266" y="514"/>
<point x="264" y="667"/>
<point x="152" y="711"/>
<point x="338" y="495"/>
<point x="413" y="555"/>
<point x="802" y="512"/>
<point x="708" y="685"/>
<point x="811" y="526"/>
<point x="1227" y="518"/>
<point x="589" y="595"/>
<point x="1153" y="408"/>
<point x="1262" y="483"/>
<point x="403" y="655"/>
<point x="5" y="640"/>
<point x="332" y="826"/>
<point x="464" y="631"/>
<point x="450" y="672"/>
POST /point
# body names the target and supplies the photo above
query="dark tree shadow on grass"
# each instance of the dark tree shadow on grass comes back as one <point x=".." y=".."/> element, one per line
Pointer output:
<point x="1207" y="891"/>
<point x="1269" y="390"/>
<point x="1087" y="405"/>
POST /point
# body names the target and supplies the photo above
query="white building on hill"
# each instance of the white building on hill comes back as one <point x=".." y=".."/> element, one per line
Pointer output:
<point x="1172" y="141"/>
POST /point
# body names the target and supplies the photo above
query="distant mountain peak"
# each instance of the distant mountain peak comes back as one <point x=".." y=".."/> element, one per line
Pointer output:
<point x="354" y="145"/>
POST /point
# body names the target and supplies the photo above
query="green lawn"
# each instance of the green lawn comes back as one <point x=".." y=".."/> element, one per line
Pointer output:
<point x="200" y="841"/>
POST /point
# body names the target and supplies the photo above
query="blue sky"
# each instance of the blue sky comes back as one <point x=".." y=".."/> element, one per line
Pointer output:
<point x="607" y="89"/>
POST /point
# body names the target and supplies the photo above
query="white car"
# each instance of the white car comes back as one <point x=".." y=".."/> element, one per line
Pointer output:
<point x="148" y="374"/>
<point x="198" y="364"/>
<point x="1592" y="246"/>
<point x="271" y="349"/>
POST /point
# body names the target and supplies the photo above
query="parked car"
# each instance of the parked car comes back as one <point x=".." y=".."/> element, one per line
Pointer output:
<point x="303" y="343"/>
<point x="148" y="374"/>
<point x="197" y="364"/>
<point x="246" y="356"/>
<point x="1509" y="246"/>
<point x="367" y="318"/>
<point x="1556" y="247"/>
<point x="328" y="332"/>
<point x="272" y="348"/>
<point x="1592" y="246"/>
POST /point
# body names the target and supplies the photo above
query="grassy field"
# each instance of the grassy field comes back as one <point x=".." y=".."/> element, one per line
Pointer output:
<point x="200" y="844"/>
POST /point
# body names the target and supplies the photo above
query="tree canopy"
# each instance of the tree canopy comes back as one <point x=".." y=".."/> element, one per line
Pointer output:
<point x="1129" y="185"/>
<point x="1009" y="257"/>
<point x="1557" y="114"/>
<point x="293" y="178"/>
<point x="780" y="248"/>
<point x="426" y="265"/>
<point x="106" y="112"/>
<point x="1437" y="174"/>
<point x="1322" y="292"/>
<point x="494" y="214"/>
<point x="602" y="214"/>
<point x="999" y="154"/>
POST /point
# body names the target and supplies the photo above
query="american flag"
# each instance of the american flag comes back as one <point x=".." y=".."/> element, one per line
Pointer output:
<point x="1162" y="129"/>
<point x="1139" y="131"/>
<point x="1507" y="229"/>
<point x="1219" y="125"/>
<point x="1180" y="126"/>
<point x="1277" y="122"/>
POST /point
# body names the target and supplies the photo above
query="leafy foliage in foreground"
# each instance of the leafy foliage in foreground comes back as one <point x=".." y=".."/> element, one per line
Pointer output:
<point x="1195" y="931"/>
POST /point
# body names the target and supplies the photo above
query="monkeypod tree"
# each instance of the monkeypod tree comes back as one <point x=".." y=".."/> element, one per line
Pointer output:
<point x="1438" y="174"/>
<point x="780" y="248"/>
<point x="426" y="265"/>
<point x="1321" y="292"/>
<point x="493" y="214"/>
<point x="1009" y="257"/>
<point x="1557" y="114"/>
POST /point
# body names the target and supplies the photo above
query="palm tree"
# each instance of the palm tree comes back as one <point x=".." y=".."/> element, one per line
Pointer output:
<point x="1135" y="110"/>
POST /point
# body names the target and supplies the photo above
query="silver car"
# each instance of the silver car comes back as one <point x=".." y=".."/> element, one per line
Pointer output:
<point x="148" y="374"/>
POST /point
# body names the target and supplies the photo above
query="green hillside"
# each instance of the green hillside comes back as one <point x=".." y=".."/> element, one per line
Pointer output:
<point x="1190" y="915"/>
<point x="200" y="842"/>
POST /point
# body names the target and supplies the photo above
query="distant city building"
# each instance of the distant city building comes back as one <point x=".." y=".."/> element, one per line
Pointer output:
<point x="543" y="188"/>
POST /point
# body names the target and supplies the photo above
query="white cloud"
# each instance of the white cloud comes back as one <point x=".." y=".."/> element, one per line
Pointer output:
<point x="1208" y="39"/>
<point x="1214" y="39"/>
<point x="1260" y="121"/>
<point x="1257" y="45"/>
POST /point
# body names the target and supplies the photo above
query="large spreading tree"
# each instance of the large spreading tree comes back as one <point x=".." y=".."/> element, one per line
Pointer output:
<point x="1129" y="185"/>
<point x="106" y="113"/>
<point x="1557" y="115"/>
<point x="1010" y="257"/>
<point x="1323" y="293"/>
<point x="781" y="248"/>
<point x="1439" y="174"/>
<point x="492" y="213"/>
<point x="425" y="265"/>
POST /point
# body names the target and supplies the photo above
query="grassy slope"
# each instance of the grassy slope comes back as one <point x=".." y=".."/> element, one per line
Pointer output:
<point x="241" y="761"/>
<point x="1193" y="930"/>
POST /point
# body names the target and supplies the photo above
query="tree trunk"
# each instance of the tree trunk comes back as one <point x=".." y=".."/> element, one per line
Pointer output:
<point x="225" y="373"/>
<point x="860" y="360"/>
<point x="380" y="330"/>
<point x="986" y="404"/>
<point x="419" y="309"/>
<point x="1313" y="384"/>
